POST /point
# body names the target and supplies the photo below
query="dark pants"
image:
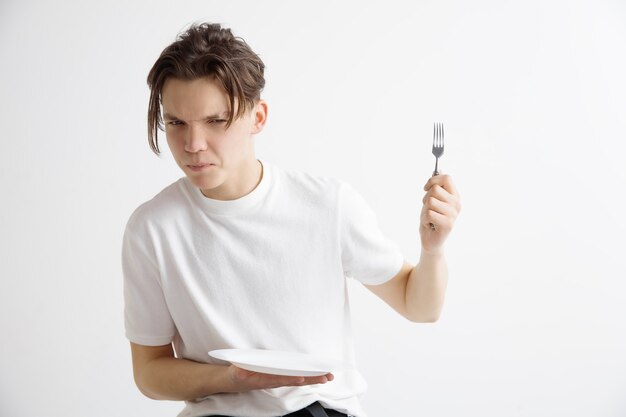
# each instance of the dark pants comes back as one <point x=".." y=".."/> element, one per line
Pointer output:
<point x="313" y="410"/>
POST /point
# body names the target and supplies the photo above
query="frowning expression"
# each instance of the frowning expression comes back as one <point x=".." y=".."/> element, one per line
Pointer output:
<point x="212" y="156"/>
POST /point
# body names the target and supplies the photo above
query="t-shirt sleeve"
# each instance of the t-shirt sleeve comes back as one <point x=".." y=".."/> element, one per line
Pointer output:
<point x="367" y="255"/>
<point x="146" y="316"/>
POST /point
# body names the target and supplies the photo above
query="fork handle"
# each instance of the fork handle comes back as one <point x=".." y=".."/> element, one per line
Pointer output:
<point x="432" y="226"/>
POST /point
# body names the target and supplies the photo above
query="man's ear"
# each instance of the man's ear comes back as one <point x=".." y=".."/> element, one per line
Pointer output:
<point x="260" y="117"/>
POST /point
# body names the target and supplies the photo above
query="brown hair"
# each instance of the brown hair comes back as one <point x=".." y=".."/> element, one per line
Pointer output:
<point x="206" y="50"/>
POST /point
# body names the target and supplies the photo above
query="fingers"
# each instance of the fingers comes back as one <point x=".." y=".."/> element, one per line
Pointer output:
<point x="439" y="206"/>
<point x="312" y="380"/>
<point x="284" y="381"/>
<point x="443" y="181"/>
<point x="442" y="196"/>
<point x="443" y="223"/>
<point x="438" y="193"/>
<point x="248" y="380"/>
<point x="441" y="201"/>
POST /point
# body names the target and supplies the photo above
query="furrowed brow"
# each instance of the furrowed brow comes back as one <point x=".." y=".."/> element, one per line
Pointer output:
<point x="168" y="116"/>
<point x="222" y="115"/>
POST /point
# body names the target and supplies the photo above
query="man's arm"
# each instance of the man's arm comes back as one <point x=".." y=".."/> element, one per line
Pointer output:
<point x="161" y="376"/>
<point x="418" y="292"/>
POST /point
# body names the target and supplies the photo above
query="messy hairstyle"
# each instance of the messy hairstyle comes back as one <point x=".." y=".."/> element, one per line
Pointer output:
<point x="207" y="50"/>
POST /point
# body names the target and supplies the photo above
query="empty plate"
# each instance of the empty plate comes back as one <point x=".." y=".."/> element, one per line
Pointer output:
<point x="277" y="362"/>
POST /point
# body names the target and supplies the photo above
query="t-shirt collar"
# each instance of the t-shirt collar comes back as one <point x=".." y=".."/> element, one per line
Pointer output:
<point x="233" y="207"/>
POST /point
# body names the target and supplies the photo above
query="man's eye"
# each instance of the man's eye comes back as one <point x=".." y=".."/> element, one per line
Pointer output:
<point x="216" y="121"/>
<point x="174" y="123"/>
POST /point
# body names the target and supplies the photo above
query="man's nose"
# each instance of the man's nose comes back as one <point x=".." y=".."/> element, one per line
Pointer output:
<point x="196" y="140"/>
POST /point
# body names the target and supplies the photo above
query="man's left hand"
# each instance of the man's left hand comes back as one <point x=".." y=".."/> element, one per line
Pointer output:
<point x="442" y="205"/>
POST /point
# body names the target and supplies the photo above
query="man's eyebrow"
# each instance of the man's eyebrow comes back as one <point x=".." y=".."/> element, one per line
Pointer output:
<point x="222" y="115"/>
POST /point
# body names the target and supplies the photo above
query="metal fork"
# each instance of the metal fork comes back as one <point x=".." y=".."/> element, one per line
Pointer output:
<point x="437" y="144"/>
<point x="437" y="151"/>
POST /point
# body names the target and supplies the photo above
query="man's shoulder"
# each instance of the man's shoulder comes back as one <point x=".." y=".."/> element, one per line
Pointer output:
<point x="324" y="191"/>
<point x="161" y="206"/>
<point x="304" y="182"/>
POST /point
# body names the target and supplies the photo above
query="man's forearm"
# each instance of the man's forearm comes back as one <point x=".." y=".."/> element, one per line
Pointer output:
<point x="426" y="288"/>
<point x="181" y="379"/>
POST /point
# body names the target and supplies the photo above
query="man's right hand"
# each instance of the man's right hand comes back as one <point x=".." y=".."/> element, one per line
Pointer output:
<point x="244" y="380"/>
<point x="161" y="376"/>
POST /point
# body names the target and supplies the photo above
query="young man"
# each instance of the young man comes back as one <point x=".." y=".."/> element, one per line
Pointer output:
<point x="241" y="254"/>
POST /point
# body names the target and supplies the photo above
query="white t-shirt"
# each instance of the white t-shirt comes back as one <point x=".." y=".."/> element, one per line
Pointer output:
<point x="265" y="271"/>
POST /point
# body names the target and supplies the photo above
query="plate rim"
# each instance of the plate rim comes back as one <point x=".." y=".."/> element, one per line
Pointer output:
<point x="285" y="371"/>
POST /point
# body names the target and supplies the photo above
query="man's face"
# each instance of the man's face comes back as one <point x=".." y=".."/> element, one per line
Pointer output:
<point x="215" y="159"/>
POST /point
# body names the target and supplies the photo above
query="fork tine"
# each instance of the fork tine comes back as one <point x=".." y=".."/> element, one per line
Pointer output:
<point x="437" y="144"/>
<point x="439" y="136"/>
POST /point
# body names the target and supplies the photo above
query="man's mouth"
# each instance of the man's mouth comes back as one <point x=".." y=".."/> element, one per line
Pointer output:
<point x="199" y="166"/>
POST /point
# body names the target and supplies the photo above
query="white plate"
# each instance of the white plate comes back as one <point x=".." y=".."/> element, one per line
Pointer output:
<point x="277" y="362"/>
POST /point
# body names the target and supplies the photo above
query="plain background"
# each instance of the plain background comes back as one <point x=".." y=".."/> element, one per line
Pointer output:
<point x="533" y="97"/>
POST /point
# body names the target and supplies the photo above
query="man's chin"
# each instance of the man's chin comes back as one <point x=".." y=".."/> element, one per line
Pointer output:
<point x="203" y="183"/>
